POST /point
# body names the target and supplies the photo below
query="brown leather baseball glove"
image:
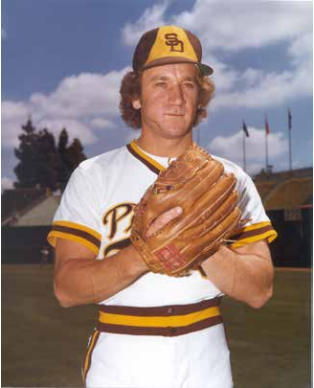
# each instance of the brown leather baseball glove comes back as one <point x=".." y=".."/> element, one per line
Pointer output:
<point x="197" y="183"/>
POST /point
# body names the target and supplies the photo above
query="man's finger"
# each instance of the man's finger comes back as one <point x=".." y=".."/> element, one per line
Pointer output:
<point x="163" y="219"/>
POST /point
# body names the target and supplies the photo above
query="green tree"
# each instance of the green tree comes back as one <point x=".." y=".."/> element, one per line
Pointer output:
<point x="64" y="167"/>
<point x="47" y="159"/>
<point x="69" y="157"/>
<point x="76" y="154"/>
<point x="27" y="170"/>
<point x="41" y="162"/>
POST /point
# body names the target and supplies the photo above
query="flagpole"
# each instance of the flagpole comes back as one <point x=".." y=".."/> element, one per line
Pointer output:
<point x="244" y="153"/>
<point x="245" y="134"/>
<point x="266" y="141"/>
<point x="290" y="144"/>
<point x="290" y="153"/>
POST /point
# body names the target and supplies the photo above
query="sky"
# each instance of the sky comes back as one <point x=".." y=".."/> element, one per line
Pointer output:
<point x="63" y="61"/>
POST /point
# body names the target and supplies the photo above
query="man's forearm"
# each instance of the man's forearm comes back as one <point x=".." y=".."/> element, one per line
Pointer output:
<point x="85" y="281"/>
<point x="245" y="277"/>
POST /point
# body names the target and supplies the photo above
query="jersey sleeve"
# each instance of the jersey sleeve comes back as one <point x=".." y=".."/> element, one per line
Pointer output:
<point x="77" y="217"/>
<point x="257" y="225"/>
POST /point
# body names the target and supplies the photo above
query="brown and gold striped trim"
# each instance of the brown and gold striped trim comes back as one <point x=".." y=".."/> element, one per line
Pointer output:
<point x="75" y="232"/>
<point x="170" y="331"/>
<point x="253" y="233"/>
<point x="88" y="356"/>
<point x="166" y="321"/>
<point x="250" y="233"/>
<point x="154" y="166"/>
<point x="163" y="311"/>
<point x="117" y="246"/>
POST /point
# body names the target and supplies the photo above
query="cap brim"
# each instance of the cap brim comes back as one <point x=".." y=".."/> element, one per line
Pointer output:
<point x="204" y="69"/>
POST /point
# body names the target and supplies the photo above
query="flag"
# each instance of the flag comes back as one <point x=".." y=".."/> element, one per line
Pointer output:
<point x="245" y="129"/>
<point x="289" y="119"/>
<point x="267" y="126"/>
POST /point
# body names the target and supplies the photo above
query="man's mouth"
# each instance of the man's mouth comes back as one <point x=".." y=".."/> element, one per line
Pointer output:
<point x="174" y="114"/>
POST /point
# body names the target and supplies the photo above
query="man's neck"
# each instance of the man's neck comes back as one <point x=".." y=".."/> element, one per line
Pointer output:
<point x="170" y="148"/>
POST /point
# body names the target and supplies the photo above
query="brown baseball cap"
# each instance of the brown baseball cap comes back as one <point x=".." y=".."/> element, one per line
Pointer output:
<point x="166" y="45"/>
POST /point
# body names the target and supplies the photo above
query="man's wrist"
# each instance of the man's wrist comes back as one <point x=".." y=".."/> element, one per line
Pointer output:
<point x="222" y="253"/>
<point x="138" y="266"/>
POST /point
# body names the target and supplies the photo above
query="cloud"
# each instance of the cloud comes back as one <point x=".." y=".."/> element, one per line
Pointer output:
<point x="151" y="18"/>
<point x="83" y="95"/>
<point x="241" y="27"/>
<point x="81" y="103"/>
<point x="13" y="115"/>
<point x="268" y="90"/>
<point x="235" y="25"/>
<point x="102" y="123"/>
<point x="6" y="183"/>
<point x="231" y="148"/>
<point x="12" y="110"/>
<point x="227" y="30"/>
<point x="75" y="127"/>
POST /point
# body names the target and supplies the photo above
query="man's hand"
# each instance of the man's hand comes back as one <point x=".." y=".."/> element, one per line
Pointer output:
<point x="80" y="279"/>
<point x="197" y="183"/>
<point x="163" y="220"/>
<point x="245" y="273"/>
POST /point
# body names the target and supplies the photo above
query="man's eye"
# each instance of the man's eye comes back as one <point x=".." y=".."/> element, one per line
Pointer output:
<point x="189" y="85"/>
<point x="161" y="84"/>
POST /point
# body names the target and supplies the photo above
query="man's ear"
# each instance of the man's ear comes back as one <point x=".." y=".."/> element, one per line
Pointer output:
<point x="136" y="104"/>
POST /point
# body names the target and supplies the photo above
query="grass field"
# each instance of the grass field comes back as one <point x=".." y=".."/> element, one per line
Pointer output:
<point x="43" y="345"/>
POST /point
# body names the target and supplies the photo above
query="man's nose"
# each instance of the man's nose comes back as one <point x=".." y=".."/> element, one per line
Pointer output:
<point x="176" y="96"/>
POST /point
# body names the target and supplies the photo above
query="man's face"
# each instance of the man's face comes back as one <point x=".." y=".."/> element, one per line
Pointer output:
<point x="169" y="100"/>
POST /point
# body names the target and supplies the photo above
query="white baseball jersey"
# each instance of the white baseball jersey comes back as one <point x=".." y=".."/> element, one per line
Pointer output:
<point x="96" y="210"/>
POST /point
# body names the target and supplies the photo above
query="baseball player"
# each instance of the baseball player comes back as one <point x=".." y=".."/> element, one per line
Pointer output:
<point x="154" y="330"/>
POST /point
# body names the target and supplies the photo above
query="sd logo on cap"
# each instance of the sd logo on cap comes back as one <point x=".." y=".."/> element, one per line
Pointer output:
<point x="166" y="45"/>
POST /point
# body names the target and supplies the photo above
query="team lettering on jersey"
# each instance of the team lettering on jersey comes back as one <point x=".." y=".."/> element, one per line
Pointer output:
<point x="118" y="220"/>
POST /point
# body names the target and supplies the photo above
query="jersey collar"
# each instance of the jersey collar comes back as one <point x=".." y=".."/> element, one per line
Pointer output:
<point x="149" y="162"/>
